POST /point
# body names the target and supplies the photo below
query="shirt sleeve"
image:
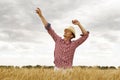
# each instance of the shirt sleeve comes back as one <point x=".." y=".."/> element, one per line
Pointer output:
<point x="80" y="40"/>
<point x="52" y="32"/>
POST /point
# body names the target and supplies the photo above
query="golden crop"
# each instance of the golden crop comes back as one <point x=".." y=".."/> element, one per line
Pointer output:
<point x="49" y="74"/>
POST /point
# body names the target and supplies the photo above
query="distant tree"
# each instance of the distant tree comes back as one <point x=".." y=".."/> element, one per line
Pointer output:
<point x="17" y="67"/>
<point x="28" y="66"/>
<point x="118" y="67"/>
<point x="98" y="67"/>
<point x="50" y="67"/>
<point x="112" y="67"/>
<point x="3" y="66"/>
<point x="83" y="66"/>
<point x="90" y="67"/>
<point x="37" y="66"/>
<point x="104" y="67"/>
<point x="10" y="66"/>
<point x="47" y="67"/>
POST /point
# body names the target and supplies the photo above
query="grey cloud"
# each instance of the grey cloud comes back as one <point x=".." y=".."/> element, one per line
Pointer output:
<point x="19" y="35"/>
<point x="106" y="16"/>
<point x="56" y="10"/>
<point x="108" y="22"/>
<point x="16" y="47"/>
<point x="20" y="14"/>
<point x="15" y="15"/>
<point x="18" y="22"/>
<point x="112" y="37"/>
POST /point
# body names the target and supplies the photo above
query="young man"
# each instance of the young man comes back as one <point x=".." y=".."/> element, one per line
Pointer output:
<point x="64" y="48"/>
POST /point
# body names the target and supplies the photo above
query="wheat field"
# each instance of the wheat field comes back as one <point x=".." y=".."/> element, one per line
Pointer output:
<point x="77" y="73"/>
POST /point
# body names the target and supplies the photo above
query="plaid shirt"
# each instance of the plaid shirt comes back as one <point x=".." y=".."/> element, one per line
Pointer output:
<point x="64" y="50"/>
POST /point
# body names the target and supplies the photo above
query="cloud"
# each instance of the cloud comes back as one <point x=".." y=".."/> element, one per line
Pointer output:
<point x="13" y="35"/>
<point x="17" y="15"/>
<point x="106" y="16"/>
<point x="21" y="30"/>
<point x="111" y="36"/>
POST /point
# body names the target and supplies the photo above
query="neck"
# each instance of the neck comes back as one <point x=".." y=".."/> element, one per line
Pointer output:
<point x="67" y="39"/>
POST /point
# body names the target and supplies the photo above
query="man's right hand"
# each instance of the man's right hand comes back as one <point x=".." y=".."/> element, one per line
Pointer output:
<point x="38" y="11"/>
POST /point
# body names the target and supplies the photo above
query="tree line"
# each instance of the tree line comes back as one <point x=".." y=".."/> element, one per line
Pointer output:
<point x="39" y="66"/>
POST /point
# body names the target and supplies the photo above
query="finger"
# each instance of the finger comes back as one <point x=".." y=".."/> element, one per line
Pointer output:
<point x="38" y="9"/>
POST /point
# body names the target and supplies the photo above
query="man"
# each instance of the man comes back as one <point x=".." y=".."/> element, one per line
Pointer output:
<point x="64" y="48"/>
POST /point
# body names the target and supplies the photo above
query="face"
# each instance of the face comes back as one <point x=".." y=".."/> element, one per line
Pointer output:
<point x="68" y="34"/>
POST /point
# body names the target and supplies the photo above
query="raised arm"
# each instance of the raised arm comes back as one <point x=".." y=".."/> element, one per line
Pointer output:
<point x="84" y="35"/>
<point x="76" y="22"/>
<point x="47" y="25"/>
<point x="39" y="12"/>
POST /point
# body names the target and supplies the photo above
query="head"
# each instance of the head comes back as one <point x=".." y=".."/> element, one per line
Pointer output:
<point x="69" y="32"/>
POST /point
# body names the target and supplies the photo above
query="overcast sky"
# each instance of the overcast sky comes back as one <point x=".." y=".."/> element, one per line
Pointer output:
<point x="24" y="41"/>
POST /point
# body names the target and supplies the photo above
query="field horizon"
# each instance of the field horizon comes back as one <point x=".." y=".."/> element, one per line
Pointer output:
<point x="47" y="73"/>
<point x="45" y="66"/>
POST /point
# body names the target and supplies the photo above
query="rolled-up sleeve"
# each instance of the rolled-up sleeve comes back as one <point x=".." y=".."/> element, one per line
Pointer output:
<point x="81" y="39"/>
<point x="52" y="32"/>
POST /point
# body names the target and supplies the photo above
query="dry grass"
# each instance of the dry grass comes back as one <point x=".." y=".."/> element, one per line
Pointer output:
<point x="49" y="74"/>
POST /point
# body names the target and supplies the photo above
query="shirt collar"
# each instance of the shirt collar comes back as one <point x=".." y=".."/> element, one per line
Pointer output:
<point x="66" y="42"/>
